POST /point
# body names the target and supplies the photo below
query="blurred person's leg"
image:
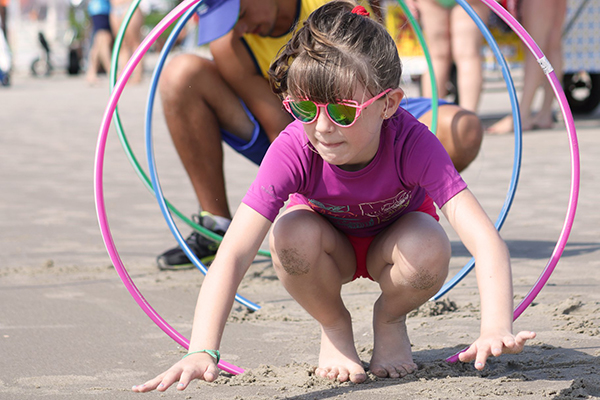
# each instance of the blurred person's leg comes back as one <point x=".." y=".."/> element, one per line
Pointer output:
<point x="538" y="21"/>
<point x="466" y="53"/>
<point x="131" y="41"/>
<point x="105" y="42"/>
<point x="132" y="36"/>
<point x="100" y="51"/>
<point x="435" y="20"/>
<point x="541" y="20"/>
<point x="544" y="118"/>
<point x="197" y="104"/>
<point x="3" y="21"/>
<point x="92" y="65"/>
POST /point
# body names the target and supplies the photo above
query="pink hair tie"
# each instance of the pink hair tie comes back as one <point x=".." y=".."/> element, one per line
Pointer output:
<point x="360" y="10"/>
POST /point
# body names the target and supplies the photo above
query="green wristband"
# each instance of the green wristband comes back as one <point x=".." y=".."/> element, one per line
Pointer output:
<point x="213" y="353"/>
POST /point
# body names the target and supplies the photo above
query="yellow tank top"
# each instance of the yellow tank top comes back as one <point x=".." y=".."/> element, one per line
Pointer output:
<point x="264" y="49"/>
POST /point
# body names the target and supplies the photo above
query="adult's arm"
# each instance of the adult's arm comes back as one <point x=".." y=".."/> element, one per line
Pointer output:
<point x="239" y="71"/>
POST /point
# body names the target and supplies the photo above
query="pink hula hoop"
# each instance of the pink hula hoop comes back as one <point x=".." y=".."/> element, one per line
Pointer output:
<point x="574" y="149"/>
<point x="184" y="6"/>
<point x="98" y="181"/>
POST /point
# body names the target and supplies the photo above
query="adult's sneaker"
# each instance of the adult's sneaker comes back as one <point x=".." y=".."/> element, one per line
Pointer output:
<point x="205" y="249"/>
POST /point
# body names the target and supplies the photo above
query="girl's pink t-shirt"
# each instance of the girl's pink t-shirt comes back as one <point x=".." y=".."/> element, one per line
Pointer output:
<point x="409" y="163"/>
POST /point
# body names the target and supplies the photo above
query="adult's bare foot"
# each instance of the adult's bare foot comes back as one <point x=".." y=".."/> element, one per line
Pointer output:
<point x="338" y="359"/>
<point x="392" y="354"/>
<point x="506" y="125"/>
<point x="543" y="121"/>
<point x="91" y="79"/>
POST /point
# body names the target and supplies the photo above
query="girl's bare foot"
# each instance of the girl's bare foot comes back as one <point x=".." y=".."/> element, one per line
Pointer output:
<point x="392" y="355"/>
<point x="338" y="359"/>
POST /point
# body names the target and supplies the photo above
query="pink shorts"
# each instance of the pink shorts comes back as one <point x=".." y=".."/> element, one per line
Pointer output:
<point x="361" y="244"/>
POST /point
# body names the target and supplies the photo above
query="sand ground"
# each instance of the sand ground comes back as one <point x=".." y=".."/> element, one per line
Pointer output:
<point x="69" y="328"/>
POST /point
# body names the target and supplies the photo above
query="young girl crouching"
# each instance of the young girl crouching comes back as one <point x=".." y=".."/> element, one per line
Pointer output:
<point x="361" y="175"/>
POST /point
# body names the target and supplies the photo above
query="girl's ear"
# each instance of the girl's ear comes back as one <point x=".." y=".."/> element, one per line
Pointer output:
<point x="393" y="100"/>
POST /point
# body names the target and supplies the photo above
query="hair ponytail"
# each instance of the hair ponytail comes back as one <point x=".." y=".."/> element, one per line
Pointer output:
<point x="333" y="51"/>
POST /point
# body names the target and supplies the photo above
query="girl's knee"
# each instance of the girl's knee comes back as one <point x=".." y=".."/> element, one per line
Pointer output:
<point x="425" y="279"/>
<point x="291" y="261"/>
<point x="297" y="226"/>
<point x="423" y="263"/>
<point x="295" y="242"/>
<point x="429" y="268"/>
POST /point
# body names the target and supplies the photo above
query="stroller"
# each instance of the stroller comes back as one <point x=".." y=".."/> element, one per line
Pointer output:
<point x="5" y="59"/>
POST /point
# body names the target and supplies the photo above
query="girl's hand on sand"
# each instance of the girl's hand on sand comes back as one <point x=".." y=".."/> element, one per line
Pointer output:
<point x="196" y="366"/>
<point x="494" y="345"/>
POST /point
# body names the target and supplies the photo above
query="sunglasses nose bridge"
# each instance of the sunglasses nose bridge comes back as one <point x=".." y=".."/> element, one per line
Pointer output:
<point x="324" y="121"/>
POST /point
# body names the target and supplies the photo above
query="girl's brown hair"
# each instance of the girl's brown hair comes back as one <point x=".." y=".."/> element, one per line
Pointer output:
<point x="334" y="51"/>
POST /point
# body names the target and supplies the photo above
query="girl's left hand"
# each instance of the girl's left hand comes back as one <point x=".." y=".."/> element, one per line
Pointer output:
<point x="494" y="345"/>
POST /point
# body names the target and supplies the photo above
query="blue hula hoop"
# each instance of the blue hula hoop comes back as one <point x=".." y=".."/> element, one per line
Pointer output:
<point x="518" y="141"/>
<point x="151" y="159"/>
<point x="516" y="164"/>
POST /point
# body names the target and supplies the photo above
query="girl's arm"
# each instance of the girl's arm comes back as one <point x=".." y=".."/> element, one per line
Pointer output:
<point x="494" y="279"/>
<point x="237" y="251"/>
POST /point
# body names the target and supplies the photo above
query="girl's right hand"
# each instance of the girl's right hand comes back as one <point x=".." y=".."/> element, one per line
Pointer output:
<point x="195" y="366"/>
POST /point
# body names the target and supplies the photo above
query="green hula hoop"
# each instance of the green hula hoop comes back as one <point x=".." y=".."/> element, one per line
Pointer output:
<point x="137" y="166"/>
<point x="434" y="92"/>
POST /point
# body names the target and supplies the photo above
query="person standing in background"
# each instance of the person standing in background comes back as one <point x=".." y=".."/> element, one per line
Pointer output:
<point x="100" y="51"/>
<point x="452" y="36"/>
<point x="3" y="13"/>
<point x="5" y="57"/>
<point x="543" y="19"/>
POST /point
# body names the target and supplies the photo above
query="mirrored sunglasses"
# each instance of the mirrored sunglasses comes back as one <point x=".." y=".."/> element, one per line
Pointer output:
<point x="344" y="114"/>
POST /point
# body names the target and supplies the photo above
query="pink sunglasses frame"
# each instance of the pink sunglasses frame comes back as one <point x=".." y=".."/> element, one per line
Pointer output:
<point x="351" y="103"/>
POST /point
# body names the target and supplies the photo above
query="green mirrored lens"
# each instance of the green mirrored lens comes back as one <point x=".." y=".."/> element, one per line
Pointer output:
<point x="341" y="114"/>
<point x="304" y="111"/>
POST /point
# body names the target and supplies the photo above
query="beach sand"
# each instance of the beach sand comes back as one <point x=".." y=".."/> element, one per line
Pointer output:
<point x="70" y="329"/>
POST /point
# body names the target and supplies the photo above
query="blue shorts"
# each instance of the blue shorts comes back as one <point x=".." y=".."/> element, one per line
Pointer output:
<point x="417" y="106"/>
<point x="256" y="148"/>
<point x="100" y="22"/>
